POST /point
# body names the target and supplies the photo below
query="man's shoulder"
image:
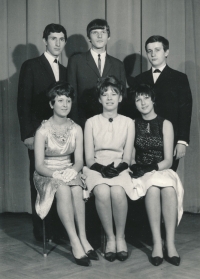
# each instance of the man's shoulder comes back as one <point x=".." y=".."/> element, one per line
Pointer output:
<point x="175" y="73"/>
<point x="78" y="56"/>
<point x="143" y="75"/>
<point x="33" y="61"/>
<point x="114" y="59"/>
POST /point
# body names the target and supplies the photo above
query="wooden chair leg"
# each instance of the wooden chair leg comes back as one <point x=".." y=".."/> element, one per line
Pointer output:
<point x="103" y="241"/>
<point x="44" y="239"/>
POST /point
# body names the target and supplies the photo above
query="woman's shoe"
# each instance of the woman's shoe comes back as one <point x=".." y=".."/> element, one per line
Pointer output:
<point x="92" y="255"/>
<point x="110" y="256"/>
<point x="156" y="261"/>
<point x="83" y="261"/>
<point x="122" y="256"/>
<point x="173" y="260"/>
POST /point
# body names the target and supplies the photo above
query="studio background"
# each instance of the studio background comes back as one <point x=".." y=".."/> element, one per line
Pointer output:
<point x="132" y="22"/>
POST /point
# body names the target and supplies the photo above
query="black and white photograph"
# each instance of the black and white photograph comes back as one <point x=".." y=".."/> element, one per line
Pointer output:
<point x="100" y="139"/>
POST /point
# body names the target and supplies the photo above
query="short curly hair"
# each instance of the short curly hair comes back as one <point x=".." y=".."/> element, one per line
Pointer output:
<point x="58" y="89"/>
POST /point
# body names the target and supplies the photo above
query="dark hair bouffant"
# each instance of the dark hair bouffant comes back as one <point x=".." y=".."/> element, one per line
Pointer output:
<point x="143" y="89"/>
<point x="58" y="89"/>
<point x="109" y="81"/>
<point x="54" y="28"/>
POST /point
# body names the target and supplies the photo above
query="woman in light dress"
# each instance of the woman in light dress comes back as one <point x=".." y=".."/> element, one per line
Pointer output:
<point x="152" y="176"/>
<point x="108" y="148"/>
<point x="55" y="141"/>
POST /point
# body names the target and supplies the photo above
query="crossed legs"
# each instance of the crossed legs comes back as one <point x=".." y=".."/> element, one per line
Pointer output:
<point x="165" y="199"/>
<point x="112" y="202"/>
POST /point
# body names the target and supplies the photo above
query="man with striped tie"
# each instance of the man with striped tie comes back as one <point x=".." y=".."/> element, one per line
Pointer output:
<point x="84" y="69"/>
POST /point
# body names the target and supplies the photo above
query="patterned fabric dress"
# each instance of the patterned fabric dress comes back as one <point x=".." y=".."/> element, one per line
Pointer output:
<point x="149" y="149"/>
<point x="58" y="149"/>
<point x="109" y="141"/>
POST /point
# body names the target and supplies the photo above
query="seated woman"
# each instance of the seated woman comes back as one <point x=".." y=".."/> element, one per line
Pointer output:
<point x="108" y="148"/>
<point x="55" y="141"/>
<point x="152" y="176"/>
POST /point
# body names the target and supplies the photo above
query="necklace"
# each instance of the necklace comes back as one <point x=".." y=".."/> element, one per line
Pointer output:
<point x="61" y="133"/>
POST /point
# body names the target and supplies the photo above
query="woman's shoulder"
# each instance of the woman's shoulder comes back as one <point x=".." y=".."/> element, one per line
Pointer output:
<point x="126" y="119"/>
<point x="43" y="128"/>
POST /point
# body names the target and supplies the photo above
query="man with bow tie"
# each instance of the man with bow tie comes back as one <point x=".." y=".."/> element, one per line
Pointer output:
<point x="36" y="76"/>
<point x="173" y="95"/>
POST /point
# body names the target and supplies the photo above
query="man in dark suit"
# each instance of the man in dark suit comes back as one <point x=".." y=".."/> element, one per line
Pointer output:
<point x="84" y="69"/>
<point x="173" y="95"/>
<point x="36" y="76"/>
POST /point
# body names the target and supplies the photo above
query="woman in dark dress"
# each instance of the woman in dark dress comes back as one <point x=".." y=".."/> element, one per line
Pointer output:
<point x="152" y="176"/>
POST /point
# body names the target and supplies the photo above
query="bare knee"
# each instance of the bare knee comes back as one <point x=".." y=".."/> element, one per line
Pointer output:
<point x="102" y="192"/>
<point x="118" y="193"/>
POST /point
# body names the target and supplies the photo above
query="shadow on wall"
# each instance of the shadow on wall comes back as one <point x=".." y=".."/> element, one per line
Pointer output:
<point x="76" y="44"/>
<point x="15" y="159"/>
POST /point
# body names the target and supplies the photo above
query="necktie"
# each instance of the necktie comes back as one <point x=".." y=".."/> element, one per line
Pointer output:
<point x="55" y="69"/>
<point x="99" y="63"/>
<point x="157" y="71"/>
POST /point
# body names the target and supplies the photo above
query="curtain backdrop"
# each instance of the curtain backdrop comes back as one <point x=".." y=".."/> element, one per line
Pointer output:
<point x="132" y="22"/>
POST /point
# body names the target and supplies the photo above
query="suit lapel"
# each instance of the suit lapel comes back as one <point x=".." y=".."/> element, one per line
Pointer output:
<point x="163" y="76"/>
<point x="107" y="66"/>
<point x="91" y="63"/>
<point x="150" y="77"/>
<point x="48" y="70"/>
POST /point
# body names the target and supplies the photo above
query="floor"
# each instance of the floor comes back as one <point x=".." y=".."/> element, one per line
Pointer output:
<point x="21" y="256"/>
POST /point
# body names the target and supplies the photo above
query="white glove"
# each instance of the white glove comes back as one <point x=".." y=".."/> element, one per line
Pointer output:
<point x="69" y="174"/>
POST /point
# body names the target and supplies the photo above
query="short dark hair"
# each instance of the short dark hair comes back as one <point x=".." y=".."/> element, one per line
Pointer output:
<point x="98" y="24"/>
<point x="54" y="28"/>
<point x="158" y="38"/>
<point x="58" y="89"/>
<point x="109" y="81"/>
<point x="143" y="89"/>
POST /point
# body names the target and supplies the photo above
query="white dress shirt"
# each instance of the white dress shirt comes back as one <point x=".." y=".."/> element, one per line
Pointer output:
<point x="54" y="66"/>
<point x="103" y="59"/>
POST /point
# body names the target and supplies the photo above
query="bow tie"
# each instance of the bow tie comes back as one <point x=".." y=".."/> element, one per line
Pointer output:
<point x="55" y="61"/>
<point x="157" y="71"/>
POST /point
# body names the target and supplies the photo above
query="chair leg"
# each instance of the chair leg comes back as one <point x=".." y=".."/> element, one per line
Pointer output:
<point x="103" y="241"/>
<point x="44" y="239"/>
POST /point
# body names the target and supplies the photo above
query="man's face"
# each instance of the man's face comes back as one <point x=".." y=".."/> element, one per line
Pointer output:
<point x="99" y="39"/>
<point x="156" y="54"/>
<point x="55" y="43"/>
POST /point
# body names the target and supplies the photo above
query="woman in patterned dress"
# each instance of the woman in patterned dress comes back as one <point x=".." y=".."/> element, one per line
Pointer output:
<point x="55" y="141"/>
<point x="108" y="148"/>
<point x="152" y="176"/>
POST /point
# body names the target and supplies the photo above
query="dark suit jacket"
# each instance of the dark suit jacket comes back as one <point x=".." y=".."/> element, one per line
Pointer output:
<point x="173" y="99"/>
<point x="36" y="76"/>
<point x="82" y="74"/>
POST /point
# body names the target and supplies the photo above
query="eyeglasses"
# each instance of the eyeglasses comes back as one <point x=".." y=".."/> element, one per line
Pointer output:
<point x="97" y="33"/>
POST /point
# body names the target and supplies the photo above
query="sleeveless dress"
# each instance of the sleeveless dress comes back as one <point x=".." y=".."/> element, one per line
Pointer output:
<point x="109" y="141"/>
<point x="58" y="149"/>
<point x="149" y="149"/>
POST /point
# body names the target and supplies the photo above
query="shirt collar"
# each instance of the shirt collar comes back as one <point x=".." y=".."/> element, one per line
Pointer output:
<point x="161" y="68"/>
<point x="95" y="54"/>
<point x="50" y="58"/>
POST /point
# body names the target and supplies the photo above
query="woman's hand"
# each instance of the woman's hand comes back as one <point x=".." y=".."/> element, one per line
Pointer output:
<point x="69" y="174"/>
<point x="65" y="175"/>
<point x="140" y="170"/>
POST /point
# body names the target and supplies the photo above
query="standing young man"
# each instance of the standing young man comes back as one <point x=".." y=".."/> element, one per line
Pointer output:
<point x="36" y="76"/>
<point x="84" y="69"/>
<point x="173" y="95"/>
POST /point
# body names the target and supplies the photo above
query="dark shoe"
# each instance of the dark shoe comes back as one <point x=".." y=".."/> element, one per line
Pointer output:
<point x="92" y="255"/>
<point x="156" y="261"/>
<point x="122" y="256"/>
<point x="173" y="260"/>
<point x="84" y="261"/>
<point x="110" y="256"/>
